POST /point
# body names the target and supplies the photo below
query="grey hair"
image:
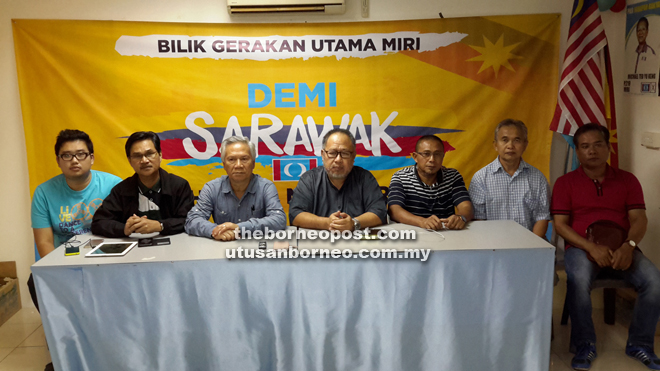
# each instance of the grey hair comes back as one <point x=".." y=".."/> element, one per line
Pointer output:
<point x="236" y="139"/>
<point x="511" y="122"/>
<point x="335" y="131"/>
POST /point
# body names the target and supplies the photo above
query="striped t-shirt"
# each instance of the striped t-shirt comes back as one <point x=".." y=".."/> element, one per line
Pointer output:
<point x="408" y="191"/>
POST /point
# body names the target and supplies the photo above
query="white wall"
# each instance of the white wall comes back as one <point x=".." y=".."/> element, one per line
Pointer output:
<point x="636" y="114"/>
<point x="642" y="114"/>
<point x="17" y="243"/>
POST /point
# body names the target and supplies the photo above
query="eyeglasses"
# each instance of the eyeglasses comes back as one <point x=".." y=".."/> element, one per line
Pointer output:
<point x="436" y="155"/>
<point x="138" y="156"/>
<point x="333" y="154"/>
<point x="69" y="156"/>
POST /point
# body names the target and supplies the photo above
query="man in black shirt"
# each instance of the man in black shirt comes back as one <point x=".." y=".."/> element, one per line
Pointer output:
<point x="337" y="195"/>
<point x="152" y="200"/>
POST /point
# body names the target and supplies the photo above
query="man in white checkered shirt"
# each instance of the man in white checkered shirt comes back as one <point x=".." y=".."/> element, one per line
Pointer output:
<point x="509" y="188"/>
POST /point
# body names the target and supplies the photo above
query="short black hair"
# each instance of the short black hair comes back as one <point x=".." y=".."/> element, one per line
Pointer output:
<point x="429" y="137"/>
<point x="335" y="131"/>
<point x="591" y="127"/>
<point x="71" y="135"/>
<point x="140" y="136"/>
<point x="643" y="19"/>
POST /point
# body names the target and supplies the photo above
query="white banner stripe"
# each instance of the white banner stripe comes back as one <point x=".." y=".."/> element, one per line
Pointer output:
<point x="276" y="47"/>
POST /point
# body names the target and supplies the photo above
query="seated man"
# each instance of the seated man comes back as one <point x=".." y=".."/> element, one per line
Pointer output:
<point x="239" y="200"/>
<point x="152" y="200"/>
<point x="595" y="191"/>
<point x="64" y="205"/>
<point x="426" y="194"/>
<point x="337" y="195"/>
<point x="509" y="188"/>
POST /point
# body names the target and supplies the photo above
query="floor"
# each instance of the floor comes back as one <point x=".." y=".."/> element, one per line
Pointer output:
<point x="23" y="344"/>
<point x="611" y="342"/>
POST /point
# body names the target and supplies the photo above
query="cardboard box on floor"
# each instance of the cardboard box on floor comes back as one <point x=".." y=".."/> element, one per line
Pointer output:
<point x="10" y="298"/>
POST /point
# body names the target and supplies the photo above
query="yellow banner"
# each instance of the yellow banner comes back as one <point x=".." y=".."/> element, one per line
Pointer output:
<point x="284" y="86"/>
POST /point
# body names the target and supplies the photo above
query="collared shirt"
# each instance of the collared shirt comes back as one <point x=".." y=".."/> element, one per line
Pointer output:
<point x="148" y="200"/>
<point x="359" y="194"/>
<point x="410" y="192"/>
<point x="522" y="197"/>
<point x="643" y="49"/>
<point x="259" y="207"/>
<point x="587" y="200"/>
<point x="176" y="199"/>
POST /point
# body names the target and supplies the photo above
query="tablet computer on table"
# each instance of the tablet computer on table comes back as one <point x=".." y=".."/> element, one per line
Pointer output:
<point x="112" y="249"/>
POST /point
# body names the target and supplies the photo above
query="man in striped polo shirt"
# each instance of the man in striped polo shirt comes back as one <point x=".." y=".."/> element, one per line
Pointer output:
<point x="429" y="195"/>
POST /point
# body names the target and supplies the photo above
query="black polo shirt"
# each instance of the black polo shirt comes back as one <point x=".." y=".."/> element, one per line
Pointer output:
<point x="316" y="194"/>
<point x="149" y="201"/>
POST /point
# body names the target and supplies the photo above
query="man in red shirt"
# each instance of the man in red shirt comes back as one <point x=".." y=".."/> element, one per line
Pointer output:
<point x="596" y="191"/>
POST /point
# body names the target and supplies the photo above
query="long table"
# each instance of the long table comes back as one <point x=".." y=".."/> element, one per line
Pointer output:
<point x="482" y="301"/>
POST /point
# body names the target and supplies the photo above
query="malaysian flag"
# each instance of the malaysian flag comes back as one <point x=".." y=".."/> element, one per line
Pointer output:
<point x="585" y="90"/>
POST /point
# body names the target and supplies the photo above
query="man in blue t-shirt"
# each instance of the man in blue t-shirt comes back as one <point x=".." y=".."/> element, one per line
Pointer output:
<point x="64" y="205"/>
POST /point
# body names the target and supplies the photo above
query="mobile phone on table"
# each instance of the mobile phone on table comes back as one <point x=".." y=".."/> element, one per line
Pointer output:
<point x="146" y="242"/>
<point x="71" y="250"/>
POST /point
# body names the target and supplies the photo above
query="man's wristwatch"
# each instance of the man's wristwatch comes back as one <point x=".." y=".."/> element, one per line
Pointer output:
<point x="162" y="228"/>
<point x="356" y="225"/>
<point x="462" y="217"/>
<point x="632" y="243"/>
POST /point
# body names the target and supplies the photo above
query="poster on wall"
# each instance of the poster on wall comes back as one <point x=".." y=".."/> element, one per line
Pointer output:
<point x="284" y="86"/>
<point x="642" y="47"/>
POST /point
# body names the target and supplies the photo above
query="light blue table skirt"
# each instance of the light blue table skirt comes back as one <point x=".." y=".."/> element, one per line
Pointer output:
<point x="461" y="310"/>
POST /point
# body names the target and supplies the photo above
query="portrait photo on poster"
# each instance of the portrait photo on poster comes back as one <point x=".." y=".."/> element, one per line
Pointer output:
<point x="642" y="47"/>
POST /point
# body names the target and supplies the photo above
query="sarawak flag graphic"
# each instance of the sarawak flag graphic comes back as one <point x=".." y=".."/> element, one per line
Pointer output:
<point x="284" y="86"/>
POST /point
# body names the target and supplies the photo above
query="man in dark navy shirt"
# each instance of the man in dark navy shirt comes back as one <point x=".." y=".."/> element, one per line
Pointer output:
<point x="337" y="195"/>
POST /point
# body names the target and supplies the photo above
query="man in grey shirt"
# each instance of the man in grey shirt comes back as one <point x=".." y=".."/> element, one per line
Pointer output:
<point x="337" y="195"/>
<point x="239" y="199"/>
